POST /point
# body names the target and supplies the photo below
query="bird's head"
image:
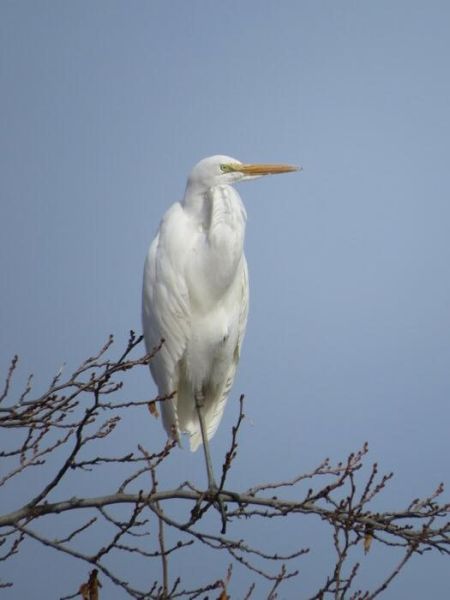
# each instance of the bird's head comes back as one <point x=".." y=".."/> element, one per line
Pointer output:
<point x="225" y="170"/>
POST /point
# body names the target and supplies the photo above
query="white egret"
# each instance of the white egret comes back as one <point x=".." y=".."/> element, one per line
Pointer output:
<point x="195" y="297"/>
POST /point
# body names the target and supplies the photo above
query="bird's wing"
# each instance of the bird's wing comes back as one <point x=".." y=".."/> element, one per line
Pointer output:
<point x="215" y="408"/>
<point x="166" y="309"/>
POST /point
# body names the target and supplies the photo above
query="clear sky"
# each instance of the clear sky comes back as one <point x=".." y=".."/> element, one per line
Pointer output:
<point x="104" y="108"/>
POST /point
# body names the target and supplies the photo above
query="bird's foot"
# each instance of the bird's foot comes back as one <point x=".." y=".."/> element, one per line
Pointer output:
<point x="214" y="495"/>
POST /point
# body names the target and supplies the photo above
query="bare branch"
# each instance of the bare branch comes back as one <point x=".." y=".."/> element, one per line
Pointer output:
<point x="69" y="423"/>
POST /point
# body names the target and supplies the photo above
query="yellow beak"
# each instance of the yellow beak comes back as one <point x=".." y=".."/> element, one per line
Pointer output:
<point x="256" y="169"/>
<point x="265" y="169"/>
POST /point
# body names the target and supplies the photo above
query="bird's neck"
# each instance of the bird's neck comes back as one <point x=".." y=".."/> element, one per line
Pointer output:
<point x="217" y="217"/>
<point x="195" y="203"/>
<point x="207" y="206"/>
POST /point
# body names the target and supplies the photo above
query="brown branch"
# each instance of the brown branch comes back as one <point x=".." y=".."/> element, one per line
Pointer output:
<point x="8" y="379"/>
<point x="77" y="413"/>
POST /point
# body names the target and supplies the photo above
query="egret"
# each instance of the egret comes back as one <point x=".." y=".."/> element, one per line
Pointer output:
<point x="195" y="298"/>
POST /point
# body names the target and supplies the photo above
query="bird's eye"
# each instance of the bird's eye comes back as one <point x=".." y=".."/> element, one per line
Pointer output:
<point x="226" y="168"/>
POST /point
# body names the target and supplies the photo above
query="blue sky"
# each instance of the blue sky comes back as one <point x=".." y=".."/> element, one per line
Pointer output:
<point x="106" y="106"/>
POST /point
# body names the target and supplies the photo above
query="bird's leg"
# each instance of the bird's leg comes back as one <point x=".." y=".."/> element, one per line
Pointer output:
<point x="199" y="403"/>
<point x="212" y="485"/>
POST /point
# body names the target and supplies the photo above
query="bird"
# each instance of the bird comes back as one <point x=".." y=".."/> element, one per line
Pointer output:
<point x="195" y="298"/>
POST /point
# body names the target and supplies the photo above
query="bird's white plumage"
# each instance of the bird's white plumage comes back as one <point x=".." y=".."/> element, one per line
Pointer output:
<point x="195" y="295"/>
